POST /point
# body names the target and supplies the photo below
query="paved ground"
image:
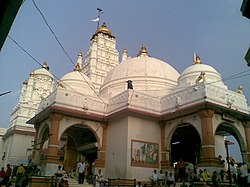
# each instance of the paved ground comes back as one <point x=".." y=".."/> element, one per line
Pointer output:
<point x="74" y="183"/>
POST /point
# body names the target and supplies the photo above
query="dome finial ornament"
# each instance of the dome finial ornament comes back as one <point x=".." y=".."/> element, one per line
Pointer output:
<point x="201" y="77"/>
<point x="197" y="59"/>
<point x="240" y="90"/>
<point x="124" y="55"/>
<point x="45" y="66"/>
<point x="78" y="65"/>
<point x="143" y="51"/>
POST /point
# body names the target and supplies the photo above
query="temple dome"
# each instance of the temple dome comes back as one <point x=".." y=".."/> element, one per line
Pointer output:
<point x="104" y="30"/>
<point x="189" y="75"/>
<point x="148" y="74"/>
<point x="44" y="71"/>
<point x="76" y="81"/>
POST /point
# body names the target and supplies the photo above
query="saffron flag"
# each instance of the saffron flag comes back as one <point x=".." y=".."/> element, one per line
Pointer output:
<point x="95" y="20"/>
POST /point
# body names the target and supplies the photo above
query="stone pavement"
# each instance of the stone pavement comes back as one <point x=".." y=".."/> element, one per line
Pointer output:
<point x="74" y="183"/>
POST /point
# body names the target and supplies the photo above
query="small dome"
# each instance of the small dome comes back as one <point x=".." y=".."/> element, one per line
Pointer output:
<point x="147" y="74"/>
<point x="44" y="71"/>
<point x="104" y="30"/>
<point x="190" y="75"/>
<point x="77" y="82"/>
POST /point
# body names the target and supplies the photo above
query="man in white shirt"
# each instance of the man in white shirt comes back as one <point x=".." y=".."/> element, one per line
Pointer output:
<point x="99" y="178"/>
<point x="154" y="178"/>
<point x="170" y="179"/>
<point x="81" y="171"/>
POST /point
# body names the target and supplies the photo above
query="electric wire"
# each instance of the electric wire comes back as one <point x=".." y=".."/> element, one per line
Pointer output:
<point x="40" y="64"/>
<point x="231" y="77"/>
<point x="53" y="33"/>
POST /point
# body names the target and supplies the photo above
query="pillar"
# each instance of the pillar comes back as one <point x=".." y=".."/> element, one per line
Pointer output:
<point x="51" y="155"/>
<point x="36" y="150"/>
<point x="208" y="158"/>
<point x="165" y="163"/>
<point x="100" y="161"/>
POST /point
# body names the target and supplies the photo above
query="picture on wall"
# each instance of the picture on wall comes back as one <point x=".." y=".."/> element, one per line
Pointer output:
<point x="144" y="154"/>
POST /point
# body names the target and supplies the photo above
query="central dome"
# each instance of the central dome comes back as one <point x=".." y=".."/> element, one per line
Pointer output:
<point x="148" y="74"/>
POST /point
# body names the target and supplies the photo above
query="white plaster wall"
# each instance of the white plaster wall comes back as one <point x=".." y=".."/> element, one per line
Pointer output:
<point x="18" y="144"/>
<point x="144" y="130"/>
<point x="116" y="150"/>
<point x="2" y="132"/>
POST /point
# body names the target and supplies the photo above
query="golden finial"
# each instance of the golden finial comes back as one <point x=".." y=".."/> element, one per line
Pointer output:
<point x="201" y="77"/>
<point x="77" y="67"/>
<point x="143" y="51"/>
<point x="240" y="90"/>
<point x="197" y="59"/>
<point x="32" y="74"/>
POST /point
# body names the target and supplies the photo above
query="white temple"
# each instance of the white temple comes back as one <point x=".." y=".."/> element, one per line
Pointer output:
<point x="127" y="118"/>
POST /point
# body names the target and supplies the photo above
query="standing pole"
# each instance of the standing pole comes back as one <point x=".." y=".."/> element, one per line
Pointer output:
<point x="228" y="163"/>
<point x="99" y="14"/>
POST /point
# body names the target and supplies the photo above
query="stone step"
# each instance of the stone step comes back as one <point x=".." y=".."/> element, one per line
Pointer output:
<point x="74" y="183"/>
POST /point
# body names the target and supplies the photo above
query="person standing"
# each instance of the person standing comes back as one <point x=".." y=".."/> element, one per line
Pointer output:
<point x="2" y="173"/>
<point x="81" y="171"/>
<point x="216" y="180"/>
<point x="20" y="175"/>
<point x="181" y="168"/>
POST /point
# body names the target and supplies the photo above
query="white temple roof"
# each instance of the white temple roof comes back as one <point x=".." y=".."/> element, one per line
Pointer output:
<point x="190" y="76"/>
<point x="77" y="82"/>
<point x="147" y="74"/>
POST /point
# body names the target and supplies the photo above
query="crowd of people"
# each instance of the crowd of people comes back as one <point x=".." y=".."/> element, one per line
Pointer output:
<point x="237" y="174"/>
<point x="82" y="173"/>
<point x="20" y="173"/>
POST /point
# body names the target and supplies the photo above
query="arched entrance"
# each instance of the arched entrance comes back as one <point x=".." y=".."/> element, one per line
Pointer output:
<point x="185" y="144"/>
<point x="229" y="132"/>
<point x="78" y="143"/>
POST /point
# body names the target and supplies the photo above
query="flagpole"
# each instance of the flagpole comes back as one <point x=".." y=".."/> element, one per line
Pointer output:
<point x="99" y="14"/>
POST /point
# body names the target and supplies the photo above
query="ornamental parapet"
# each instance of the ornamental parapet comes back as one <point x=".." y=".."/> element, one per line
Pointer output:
<point x="74" y="100"/>
<point x="132" y="99"/>
<point x="118" y="102"/>
<point x="226" y="98"/>
<point x="204" y="92"/>
<point x="178" y="99"/>
<point x="49" y="100"/>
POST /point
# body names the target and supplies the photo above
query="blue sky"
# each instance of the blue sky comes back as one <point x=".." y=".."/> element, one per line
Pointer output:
<point x="172" y="30"/>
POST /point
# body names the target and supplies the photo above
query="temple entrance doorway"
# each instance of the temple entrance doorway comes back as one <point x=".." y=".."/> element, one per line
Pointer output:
<point x="78" y="143"/>
<point x="185" y="144"/>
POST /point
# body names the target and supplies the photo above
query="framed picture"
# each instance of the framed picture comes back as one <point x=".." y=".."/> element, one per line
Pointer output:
<point x="144" y="154"/>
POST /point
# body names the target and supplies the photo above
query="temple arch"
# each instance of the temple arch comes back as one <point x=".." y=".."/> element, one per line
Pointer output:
<point x="185" y="143"/>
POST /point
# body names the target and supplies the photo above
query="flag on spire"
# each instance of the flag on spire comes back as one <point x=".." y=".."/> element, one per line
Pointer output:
<point x="95" y="20"/>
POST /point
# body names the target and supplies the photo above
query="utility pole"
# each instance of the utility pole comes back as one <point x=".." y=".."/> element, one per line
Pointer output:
<point x="227" y="142"/>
